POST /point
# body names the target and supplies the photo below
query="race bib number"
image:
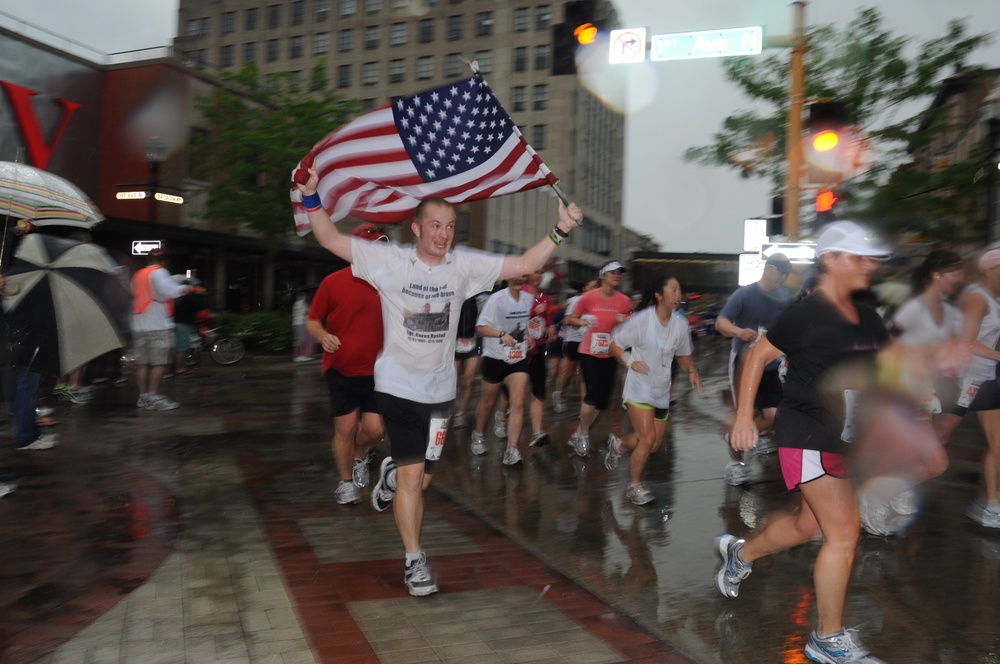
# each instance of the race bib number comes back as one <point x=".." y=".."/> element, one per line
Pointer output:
<point x="516" y="353"/>
<point x="435" y="439"/>
<point x="536" y="327"/>
<point x="970" y="388"/>
<point x="465" y="345"/>
<point x="850" y="405"/>
<point x="600" y="343"/>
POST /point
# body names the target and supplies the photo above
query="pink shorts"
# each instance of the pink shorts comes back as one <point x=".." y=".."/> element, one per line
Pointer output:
<point x="801" y="466"/>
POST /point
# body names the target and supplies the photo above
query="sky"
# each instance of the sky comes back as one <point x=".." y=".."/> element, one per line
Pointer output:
<point x="671" y="106"/>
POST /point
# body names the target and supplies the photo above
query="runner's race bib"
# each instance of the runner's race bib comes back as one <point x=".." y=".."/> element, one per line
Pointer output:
<point x="435" y="439"/>
<point x="465" y="345"/>
<point x="536" y="327"/>
<point x="600" y="343"/>
<point x="970" y="388"/>
<point x="515" y="353"/>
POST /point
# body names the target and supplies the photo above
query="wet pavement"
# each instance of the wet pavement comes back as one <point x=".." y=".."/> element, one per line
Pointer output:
<point x="210" y="534"/>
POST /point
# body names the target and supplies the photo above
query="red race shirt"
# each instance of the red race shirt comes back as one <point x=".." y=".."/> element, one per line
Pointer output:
<point x="353" y="312"/>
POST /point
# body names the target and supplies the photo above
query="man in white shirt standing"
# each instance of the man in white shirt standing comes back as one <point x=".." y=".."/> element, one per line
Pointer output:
<point x="153" y="293"/>
<point x="422" y="288"/>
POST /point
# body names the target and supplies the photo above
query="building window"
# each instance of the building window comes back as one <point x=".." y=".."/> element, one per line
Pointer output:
<point x="298" y="12"/>
<point x="521" y="58"/>
<point x="543" y="17"/>
<point x="250" y="19"/>
<point x="454" y="28"/>
<point x="274" y="16"/>
<point x="425" y="67"/>
<point x="373" y="6"/>
<point x="519" y="98"/>
<point x="425" y="34"/>
<point x="371" y="37"/>
<point x="541" y="97"/>
<point x="484" y="24"/>
<point x="400" y="4"/>
<point x="249" y="52"/>
<point x="369" y="73"/>
<point x="226" y="56"/>
<point x="522" y="19"/>
<point x="272" y="50"/>
<point x="196" y="27"/>
<point x="344" y="76"/>
<point x="539" y="137"/>
<point x="543" y="56"/>
<point x="345" y="40"/>
<point x="453" y="65"/>
<point x="367" y="104"/>
<point x="348" y="7"/>
<point x="485" y="60"/>
<point x="228" y="22"/>
<point x="296" y="46"/>
<point x="397" y="70"/>
<point x="397" y="34"/>
<point x="322" y="10"/>
<point x="294" y="80"/>
<point x="321" y="43"/>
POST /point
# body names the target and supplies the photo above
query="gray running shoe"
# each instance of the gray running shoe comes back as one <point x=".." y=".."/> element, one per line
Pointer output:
<point x="143" y="401"/>
<point x="478" y="443"/>
<point x="978" y="510"/>
<point x="160" y="402"/>
<point x="736" y="473"/>
<point x="639" y="495"/>
<point x="614" y="452"/>
<point x="347" y="493"/>
<point x="840" y="648"/>
<point x="385" y="488"/>
<point x="6" y="489"/>
<point x="733" y="569"/>
<point x="580" y="444"/>
<point x="766" y="445"/>
<point x="511" y="456"/>
<point x="499" y="425"/>
<point x="538" y="439"/>
<point x="44" y="442"/>
<point x="360" y="472"/>
<point x="419" y="578"/>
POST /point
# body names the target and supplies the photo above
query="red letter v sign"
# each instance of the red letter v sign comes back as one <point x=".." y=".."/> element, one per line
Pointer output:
<point x="39" y="152"/>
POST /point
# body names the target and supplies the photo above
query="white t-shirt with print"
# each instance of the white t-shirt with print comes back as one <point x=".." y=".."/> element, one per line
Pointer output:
<point x="421" y="305"/>
<point x="505" y="313"/>
<point x="655" y="344"/>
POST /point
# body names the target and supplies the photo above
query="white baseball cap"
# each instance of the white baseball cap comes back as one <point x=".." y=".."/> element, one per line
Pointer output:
<point x="851" y="238"/>
<point x="611" y="267"/>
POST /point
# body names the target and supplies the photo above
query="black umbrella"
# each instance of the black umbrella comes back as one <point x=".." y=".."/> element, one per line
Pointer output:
<point x="64" y="304"/>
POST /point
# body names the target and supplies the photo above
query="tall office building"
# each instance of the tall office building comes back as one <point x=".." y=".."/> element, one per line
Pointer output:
<point x="379" y="50"/>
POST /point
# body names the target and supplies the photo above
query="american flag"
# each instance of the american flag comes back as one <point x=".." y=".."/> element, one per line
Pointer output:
<point x="456" y="142"/>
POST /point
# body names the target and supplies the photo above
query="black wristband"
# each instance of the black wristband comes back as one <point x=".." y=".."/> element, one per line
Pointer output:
<point x="560" y="232"/>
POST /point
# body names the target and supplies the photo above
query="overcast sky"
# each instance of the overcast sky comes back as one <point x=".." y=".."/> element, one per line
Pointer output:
<point x="673" y="105"/>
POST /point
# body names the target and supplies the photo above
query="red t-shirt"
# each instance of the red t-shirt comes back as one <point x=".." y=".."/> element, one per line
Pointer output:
<point x="353" y="312"/>
<point x="604" y="316"/>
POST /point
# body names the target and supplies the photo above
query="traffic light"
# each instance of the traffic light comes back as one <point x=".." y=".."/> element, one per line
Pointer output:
<point x="826" y="201"/>
<point x="580" y="29"/>
<point x="829" y="143"/>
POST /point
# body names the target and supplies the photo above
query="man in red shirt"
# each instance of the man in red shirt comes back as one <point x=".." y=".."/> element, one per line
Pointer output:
<point x="346" y="319"/>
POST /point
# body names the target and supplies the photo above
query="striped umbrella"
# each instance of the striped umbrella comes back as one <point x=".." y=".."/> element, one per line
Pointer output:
<point x="46" y="199"/>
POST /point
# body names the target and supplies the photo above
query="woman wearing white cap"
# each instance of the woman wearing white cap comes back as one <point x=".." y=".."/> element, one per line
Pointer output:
<point x="980" y="391"/>
<point x="597" y="312"/>
<point x="831" y="343"/>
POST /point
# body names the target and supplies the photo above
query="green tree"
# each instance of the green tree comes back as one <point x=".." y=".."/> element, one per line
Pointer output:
<point x="886" y="82"/>
<point x="260" y="128"/>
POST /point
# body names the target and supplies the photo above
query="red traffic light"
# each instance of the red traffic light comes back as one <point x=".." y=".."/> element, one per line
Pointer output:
<point x="825" y="200"/>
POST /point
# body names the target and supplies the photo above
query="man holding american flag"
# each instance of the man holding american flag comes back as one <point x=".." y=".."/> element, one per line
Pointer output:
<point x="422" y="288"/>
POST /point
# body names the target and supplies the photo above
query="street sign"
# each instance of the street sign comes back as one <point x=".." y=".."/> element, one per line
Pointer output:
<point x="707" y="44"/>
<point x="628" y="45"/>
<point x="803" y="253"/>
<point x="754" y="234"/>
<point x="143" y="247"/>
<point x="130" y="195"/>
<point x="168" y="198"/>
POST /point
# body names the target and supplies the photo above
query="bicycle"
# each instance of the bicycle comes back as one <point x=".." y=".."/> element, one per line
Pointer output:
<point x="223" y="350"/>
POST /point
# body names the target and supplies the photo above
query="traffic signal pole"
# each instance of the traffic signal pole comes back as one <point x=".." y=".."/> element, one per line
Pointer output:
<point x="793" y="142"/>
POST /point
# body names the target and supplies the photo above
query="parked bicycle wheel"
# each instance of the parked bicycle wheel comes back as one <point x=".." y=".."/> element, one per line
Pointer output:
<point x="227" y="351"/>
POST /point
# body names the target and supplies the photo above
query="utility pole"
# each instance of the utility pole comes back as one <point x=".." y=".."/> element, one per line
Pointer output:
<point x="793" y="140"/>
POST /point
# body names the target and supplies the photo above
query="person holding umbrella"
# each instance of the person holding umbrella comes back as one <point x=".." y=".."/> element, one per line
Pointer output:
<point x="153" y="293"/>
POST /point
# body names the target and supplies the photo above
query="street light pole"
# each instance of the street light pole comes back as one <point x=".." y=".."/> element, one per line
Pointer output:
<point x="793" y="139"/>
<point x="155" y="153"/>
